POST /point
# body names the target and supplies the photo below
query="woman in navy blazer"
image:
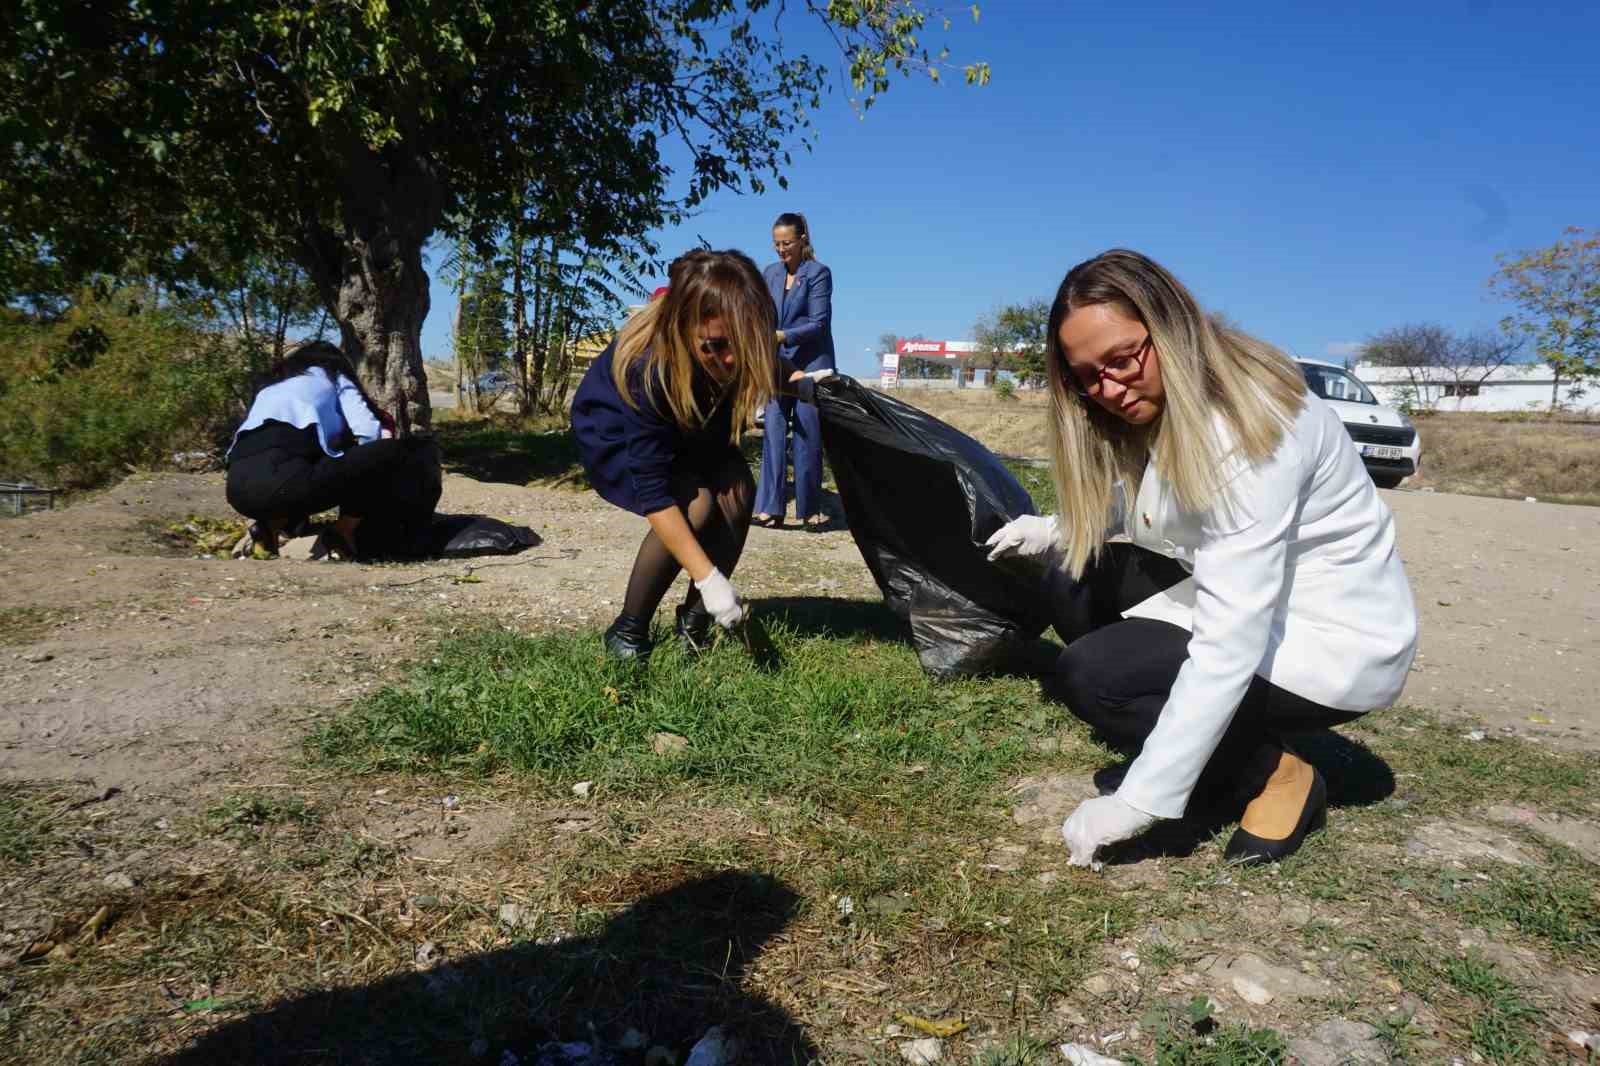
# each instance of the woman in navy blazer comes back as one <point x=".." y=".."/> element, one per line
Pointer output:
<point x="802" y="295"/>
<point x="657" y="418"/>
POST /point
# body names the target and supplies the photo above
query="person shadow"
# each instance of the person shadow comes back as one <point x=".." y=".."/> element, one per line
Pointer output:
<point x="670" y="966"/>
<point x="1356" y="777"/>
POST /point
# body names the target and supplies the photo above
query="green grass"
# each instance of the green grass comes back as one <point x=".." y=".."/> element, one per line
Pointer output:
<point x="843" y="719"/>
<point x="1190" y="1036"/>
<point x="1557" y="904"/>
<point x="252" y="810"/>
<point x="513" y="450"/>
<point x="24" y="625"/>
<point x="26" y="819"/>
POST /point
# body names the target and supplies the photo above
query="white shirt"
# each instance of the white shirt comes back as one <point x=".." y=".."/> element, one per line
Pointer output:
<point x="1295" y="578"/>
<point x="311" y="399"/>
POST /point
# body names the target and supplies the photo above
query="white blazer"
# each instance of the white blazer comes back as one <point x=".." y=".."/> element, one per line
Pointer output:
<point x="1295" y="578"/>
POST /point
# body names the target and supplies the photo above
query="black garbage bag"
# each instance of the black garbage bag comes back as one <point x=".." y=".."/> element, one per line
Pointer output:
<point x="921" y="498"/>
<point x="462" y="536"/>
<point x="401" y="528"/>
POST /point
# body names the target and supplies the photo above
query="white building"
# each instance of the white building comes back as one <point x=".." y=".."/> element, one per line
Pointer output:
<point x="1519" y="387"/>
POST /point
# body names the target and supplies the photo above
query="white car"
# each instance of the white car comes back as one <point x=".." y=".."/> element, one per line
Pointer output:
<point x="1384" y="436"/>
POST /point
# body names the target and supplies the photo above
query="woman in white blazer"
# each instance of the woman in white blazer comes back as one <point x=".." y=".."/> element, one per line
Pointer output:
<point x="1262" y="594"/>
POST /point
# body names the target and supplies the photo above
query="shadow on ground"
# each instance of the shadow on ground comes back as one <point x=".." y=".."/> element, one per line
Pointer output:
<point x="670" y="965"/>
<point x="510" y="452"/>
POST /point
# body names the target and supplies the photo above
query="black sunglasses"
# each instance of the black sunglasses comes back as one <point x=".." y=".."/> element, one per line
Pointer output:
<point x="714" y="345"/>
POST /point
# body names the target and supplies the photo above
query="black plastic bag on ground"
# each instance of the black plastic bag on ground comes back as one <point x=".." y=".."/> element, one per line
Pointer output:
<point x="921" y="498"/>
<point x="463" y="536"/>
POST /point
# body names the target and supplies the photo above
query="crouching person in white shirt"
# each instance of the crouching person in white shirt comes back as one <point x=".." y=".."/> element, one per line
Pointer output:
<point x="1291" y="611"/>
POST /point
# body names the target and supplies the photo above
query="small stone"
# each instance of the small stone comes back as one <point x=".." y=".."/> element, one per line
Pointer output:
<point x="582" y="789"/>
<point x="38" y="657"/>
<point x="451" y="803"/>
<point x="424" y="903"/>
<point x="1340" y="1042"/>
<point x="1296" y="915"/>
<point x="716" y="1048"/>
<point x="1474" y="734"/>
<point x="1584" y="1041"/>
<point x="163" y="825"/>
<point x="1098" y="984"/>
<point x="514" y="915"/>
<point x="119" y="881"/>
<point x="920" y="1052"/>
<point x="427" y="954"/>
<point x="1251" y="992"/>
<point x="847" y="906"/>
<point x="1084" y="1055"/>
<point x="1530" y="499"/>
<point x="668" y="744"/>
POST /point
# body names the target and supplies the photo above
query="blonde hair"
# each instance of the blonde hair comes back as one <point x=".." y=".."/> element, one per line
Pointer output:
<point x="657" y="347"/>
<point x="797" y="222"/>
<point x="1208" y="370"/>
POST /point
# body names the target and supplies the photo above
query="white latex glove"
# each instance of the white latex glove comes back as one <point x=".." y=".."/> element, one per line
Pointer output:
<point x="718" y="596"/>
<point x="1029" y="536"/>
<point x="805" y="384"/>
<point x="1100" y="821"/>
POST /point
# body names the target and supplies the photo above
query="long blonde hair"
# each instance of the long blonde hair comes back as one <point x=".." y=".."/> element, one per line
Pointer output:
<point x="1208" y="370"/>
<point x="657" y="345"/>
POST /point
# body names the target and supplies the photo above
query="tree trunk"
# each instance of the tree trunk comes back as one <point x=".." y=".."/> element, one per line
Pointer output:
<point x="370" y="276"/>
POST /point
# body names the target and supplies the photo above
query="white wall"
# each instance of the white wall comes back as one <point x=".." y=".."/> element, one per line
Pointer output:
<point x="1492" y="396"/>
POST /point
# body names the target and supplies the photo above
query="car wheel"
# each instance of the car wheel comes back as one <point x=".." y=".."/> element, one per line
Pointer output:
<point x="1388" y="481"/>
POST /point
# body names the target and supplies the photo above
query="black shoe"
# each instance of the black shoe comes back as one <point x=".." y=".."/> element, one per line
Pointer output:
<point x="628" y="638"/>
<point x="1247" y="849"/>
<point x="693" y="628"/>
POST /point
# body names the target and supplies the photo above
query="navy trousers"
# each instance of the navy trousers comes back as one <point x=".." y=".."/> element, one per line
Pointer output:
<point x="787" y="416"/>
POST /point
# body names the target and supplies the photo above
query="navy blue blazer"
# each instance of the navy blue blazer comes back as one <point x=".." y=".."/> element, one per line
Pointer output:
<point x="805" y="314"/>
<point x="628" y="451"/>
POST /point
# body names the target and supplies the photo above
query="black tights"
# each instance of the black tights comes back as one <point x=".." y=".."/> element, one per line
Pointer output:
<point x="715" y="494"/>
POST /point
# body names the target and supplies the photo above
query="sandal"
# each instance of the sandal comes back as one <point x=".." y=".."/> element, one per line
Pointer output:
<point x="767" y="521"/>
<point x="816" y="523"/>
<point x="332" y="545"/>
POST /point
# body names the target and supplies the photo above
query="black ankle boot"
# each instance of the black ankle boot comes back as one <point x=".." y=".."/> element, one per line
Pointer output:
<point x="628" y="638"/>
<point x="693" y="628"/>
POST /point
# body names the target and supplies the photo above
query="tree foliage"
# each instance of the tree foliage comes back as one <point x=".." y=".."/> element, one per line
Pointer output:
<point x="1438" y="361"/>
<point x="1557" y="292"/>
<point x="352" y="130"/>
<point x="1013" y="338"/>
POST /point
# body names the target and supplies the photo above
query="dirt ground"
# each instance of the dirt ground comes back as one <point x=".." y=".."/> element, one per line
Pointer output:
<point x="146" y="669"/>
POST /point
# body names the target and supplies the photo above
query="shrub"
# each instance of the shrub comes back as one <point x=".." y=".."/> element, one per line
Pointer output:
<point x="107" y="386"/>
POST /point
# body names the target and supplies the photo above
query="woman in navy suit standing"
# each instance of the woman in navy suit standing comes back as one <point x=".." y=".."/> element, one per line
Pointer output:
<point x="802" y="295"/>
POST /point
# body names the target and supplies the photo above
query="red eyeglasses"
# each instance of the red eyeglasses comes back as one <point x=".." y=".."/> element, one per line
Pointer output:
<point x="1124" y="370"/>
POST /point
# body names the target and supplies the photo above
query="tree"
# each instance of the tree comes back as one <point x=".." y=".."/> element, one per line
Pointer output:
<point x="356" y="131"/>
<point x="1558" y="292"/>
<point x="1014" y="337"/>
<point x="1438" y="361"/>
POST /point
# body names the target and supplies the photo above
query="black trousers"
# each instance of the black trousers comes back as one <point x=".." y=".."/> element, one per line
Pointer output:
<point x="279" y="471"/>
<point x="1116" y="674"/>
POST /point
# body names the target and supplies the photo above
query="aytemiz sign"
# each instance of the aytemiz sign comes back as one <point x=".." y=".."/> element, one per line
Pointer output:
<point x="948" y="349"/>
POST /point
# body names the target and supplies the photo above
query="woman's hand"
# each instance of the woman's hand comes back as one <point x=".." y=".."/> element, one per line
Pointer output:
<point x="1101" y="821"/>
<point x="805" y="383"/>
<point x="1029" y="536"/>
<point x="720" y="599"/>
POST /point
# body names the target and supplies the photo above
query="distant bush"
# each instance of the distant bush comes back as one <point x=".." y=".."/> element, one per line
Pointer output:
<point x="109" y="385"/>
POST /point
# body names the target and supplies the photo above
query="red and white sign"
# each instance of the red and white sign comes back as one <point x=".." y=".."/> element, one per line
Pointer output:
<point x="890" y="373"/>
<point x="948" y="349"/>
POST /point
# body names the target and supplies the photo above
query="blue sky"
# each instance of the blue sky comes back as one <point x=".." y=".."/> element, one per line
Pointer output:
<point x="1318" y="175"/>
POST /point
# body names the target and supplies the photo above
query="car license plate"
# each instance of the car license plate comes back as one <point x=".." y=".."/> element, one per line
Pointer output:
<point x="1380" y="451"/>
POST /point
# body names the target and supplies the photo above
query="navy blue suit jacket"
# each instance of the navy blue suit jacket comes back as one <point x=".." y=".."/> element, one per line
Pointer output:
<point x="806" y="316"/>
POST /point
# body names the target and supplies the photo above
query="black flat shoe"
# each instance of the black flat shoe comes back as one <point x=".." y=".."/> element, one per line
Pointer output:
<point x="693" y="628"/>
<point x="1247" y="849"/>
<point x="333" y="545"/>
<point x="771" y="521"/>
<point x="628" y="638"/>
